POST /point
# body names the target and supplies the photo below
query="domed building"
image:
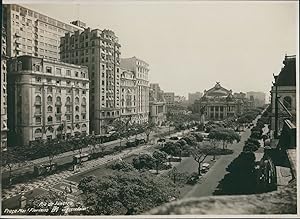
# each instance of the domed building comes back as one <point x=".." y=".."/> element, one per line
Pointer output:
<point x="219" y="103"/>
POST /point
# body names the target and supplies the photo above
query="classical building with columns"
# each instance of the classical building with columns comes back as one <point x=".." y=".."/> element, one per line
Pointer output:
<point x="47" y="99"/>
<point x="218" y="103"/>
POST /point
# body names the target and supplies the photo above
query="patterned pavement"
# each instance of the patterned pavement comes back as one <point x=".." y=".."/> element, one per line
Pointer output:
<point x="49" y="182"/>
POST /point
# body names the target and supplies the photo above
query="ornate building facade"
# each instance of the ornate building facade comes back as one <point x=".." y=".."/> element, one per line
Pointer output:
<point x="141" y="72"/>
<point x="3" y="92"/>
<point x="218" y="103"/>
<point x="47" y="99"/>
<point x="128" y="98"/>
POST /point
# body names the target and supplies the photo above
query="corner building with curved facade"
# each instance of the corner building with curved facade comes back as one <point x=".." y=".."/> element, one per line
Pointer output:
<point x="47" y="100"/>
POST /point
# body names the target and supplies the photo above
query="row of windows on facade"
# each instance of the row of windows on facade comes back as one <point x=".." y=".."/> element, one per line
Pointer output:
<point x="38" y="119"/>
<point x="103" y="114"/>
<point x="22" y="29"/>
<point x="108" y="57"/>
<point x="36" y="50"/>
<point x="59" y="90"/>
<point x="109" y="75"/>
<point x="86" y="60"/>
<point x="38" y="110"/>
<point x="26" y="12"/>
<point x="51" y="129"/>
<point x="68" y="72"/>
<point x="38" y="99"/>
<point x="29" y="42"/>
<point x="107" y="41"/>
<point x="48" y="69"/>
<point x="58" y="82"/>
<point x="48" y="56"/>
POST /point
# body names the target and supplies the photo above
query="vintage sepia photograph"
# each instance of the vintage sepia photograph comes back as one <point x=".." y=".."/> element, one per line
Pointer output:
<point x="149" y="108"/>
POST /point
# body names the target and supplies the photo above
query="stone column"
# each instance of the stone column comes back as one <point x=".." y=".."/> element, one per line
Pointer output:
<point x="214" y="112"/>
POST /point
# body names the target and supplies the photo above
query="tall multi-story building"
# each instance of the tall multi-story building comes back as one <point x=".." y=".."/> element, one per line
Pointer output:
<point x="100" y="51"/>
<point x="169" y="98"/>
<point x="157" y="105"/>
<point x="259" y="98"/>
<point x="3" y="92"/>
<point x="32" y="33"/>
<point x="141" y="71"/>
<point x="284" y="90"/>
<point x="47" y="99"/>
<point x="194" y="96"/>
<point x="128" y="96"/>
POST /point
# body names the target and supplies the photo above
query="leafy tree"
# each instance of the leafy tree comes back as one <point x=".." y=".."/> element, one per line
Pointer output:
<point x="256" y="134"/>
<point x="51" y="148"/>
<point x="177" y="177"/>
<point x="160" y="158"/>
<point x="171" y="148"/>
<point x="122" y="166"/>
<point x="148" y="127"/>
<point x="190" y="140"/>
<point x="78" y="145"/>
<point x="92" y="143"/>
<point x="182" y="142"/>
<point x="144" y="161"/>
<point x="200" y="152"/>
<point x="125" y="193"/>
<point x="120" y="128"/>
<point x="224" y="135"/>
<point x="253" y="141"/>
<point x="9" y="159"/>
<point x="198" y="136"/>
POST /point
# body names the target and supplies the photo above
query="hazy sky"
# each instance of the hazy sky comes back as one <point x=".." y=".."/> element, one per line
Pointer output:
<point x="191" y="45"/>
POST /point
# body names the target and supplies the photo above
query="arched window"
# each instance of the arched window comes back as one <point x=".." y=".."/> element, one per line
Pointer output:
<point x="58" y="99"/>
<point x="38" y="99"/>
<point x="68" y="99"/>
<point x="76" y="100"/>
<point x="49" y="119"/>
<point x="77" y="108"/>
<point x="49" y="109"/>
<point x="49" y="99"/>
<point x="83" y="100"/>
<point x="287" y="102"/>
<point x="77" y="117"/>
<point x="38" y="131"/>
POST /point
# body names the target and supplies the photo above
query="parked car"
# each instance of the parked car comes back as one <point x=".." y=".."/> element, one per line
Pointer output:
<point x="205" y="167"/>
<point x="193" y="179"/>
